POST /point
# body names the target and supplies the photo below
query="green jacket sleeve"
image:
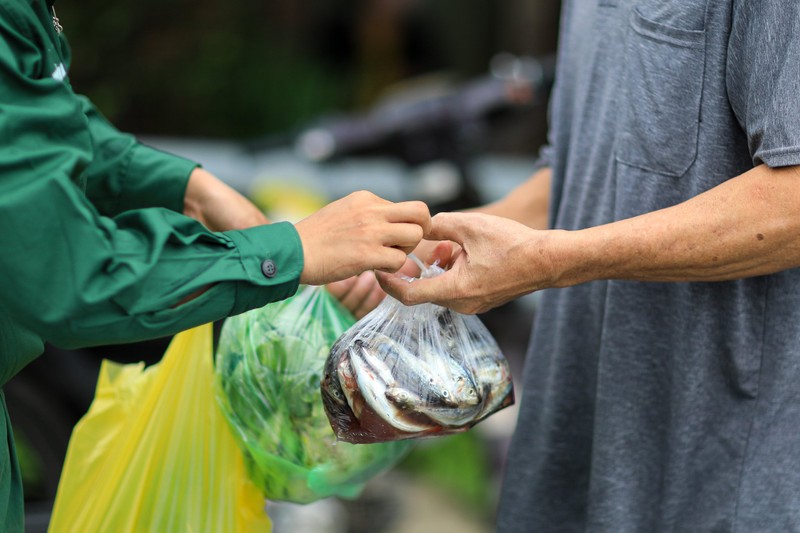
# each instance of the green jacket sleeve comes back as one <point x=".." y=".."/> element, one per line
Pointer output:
<point x="75" y="277"/>
<point x="125" y="174"/>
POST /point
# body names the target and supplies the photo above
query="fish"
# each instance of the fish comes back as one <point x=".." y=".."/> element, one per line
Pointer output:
<point x="491" y="369"/>
<point x="351" y="407"/>
<point x="460" y="382"/>
<point x="348" y="384"/>
<point x="404" y="398"/>
<point x="433" y="384"/>
<point x="412" y="371"/>
<point x="371" y="374"/>
<point x="439" y="380"/>
<point x="340" y="415"/>
<point x="445" y="416"/>
<point x="494" y="378"/>
<point x="452" y="417"/>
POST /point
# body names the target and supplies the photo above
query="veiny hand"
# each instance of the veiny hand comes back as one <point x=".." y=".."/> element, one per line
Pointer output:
<point x="218" y="206"/>
<point x="499" y="260"/>
<point x="357" y="233"/>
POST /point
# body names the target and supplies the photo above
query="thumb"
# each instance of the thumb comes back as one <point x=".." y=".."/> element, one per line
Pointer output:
<point x="417" y="291"/>
<point x="449" y="227"/>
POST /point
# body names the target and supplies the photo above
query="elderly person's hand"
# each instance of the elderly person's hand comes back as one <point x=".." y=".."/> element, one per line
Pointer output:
<point x="499" y="260"/>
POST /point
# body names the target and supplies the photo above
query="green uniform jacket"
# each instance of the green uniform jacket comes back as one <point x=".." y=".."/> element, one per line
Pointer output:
<point x="93" y="249"/>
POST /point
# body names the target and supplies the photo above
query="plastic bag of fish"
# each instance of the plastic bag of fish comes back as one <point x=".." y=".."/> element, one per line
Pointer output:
<point x="409" y="372"/>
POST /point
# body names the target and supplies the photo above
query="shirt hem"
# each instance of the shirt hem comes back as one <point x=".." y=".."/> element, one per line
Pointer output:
<point x="779" y="157"/>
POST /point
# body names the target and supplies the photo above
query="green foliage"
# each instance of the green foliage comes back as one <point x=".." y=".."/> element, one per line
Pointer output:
<point x="224" y="69"/>
<point x="249" y="68"/>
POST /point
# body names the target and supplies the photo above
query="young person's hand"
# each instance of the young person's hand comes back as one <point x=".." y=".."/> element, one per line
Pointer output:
<point x="358" y="233"/>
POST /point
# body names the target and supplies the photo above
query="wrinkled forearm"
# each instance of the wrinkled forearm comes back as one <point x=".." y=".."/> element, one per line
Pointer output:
<point x="747" y="226"/>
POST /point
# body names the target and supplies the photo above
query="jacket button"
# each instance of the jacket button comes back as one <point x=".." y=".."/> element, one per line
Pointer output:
<point x="268" y="268"/>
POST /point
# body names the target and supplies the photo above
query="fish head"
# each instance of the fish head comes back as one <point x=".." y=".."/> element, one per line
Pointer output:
<point x="403" y="398"/>
<point x="463" y="387"/>
<point x="332" y="396"/>
<point x="337" y="409"/>
<point x="339" y="414"/>
<point x="465" y="392"/>
<point x="492" y="369"/>
<point x="437" y="393"/>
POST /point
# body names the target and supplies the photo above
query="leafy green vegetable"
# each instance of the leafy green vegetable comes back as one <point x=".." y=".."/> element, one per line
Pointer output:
<point x="268" y="369"/>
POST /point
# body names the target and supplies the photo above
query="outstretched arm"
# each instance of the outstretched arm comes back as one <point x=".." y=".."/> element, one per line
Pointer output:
<point x="747" y="226"/>
<point x="527" y="204"/>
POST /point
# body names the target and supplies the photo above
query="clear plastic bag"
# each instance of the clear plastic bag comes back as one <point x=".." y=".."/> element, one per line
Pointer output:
<point x="407" y="372"/>
<point x="269" y="364"/>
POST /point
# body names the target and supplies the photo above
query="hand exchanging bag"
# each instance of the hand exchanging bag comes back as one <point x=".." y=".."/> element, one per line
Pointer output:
<point x="407" y="372"/>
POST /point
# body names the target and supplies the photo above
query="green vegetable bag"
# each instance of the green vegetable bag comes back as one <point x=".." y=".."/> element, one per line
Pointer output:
<point x="268" y="368"/>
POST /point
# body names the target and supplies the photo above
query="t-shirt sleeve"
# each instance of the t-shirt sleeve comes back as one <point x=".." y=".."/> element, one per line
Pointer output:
<point x="544" y="159"/>
<point x="763" y="78"/>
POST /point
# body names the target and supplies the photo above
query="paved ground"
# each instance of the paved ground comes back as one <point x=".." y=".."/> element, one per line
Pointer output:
<point x="427" y="509"/>
<point x="392" y="504"/>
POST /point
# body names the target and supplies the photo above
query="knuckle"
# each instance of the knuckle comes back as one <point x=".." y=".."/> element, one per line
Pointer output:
<point x="421" y="208"/>
<point x="363" y="195"/>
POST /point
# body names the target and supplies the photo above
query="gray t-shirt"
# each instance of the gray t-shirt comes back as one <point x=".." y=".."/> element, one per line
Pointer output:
<point x="654" y="407"/>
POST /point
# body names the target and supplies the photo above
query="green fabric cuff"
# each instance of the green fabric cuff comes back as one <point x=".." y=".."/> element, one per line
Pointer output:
<point x="155" y="178"/>
<point x="272" y="258"/>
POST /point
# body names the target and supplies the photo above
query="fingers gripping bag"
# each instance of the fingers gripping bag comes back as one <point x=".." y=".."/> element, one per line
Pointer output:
<point x="269" y="364"/>
<point x="407" y="372"/>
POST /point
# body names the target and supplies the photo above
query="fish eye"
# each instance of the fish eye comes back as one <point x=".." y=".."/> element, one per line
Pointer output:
<point x="445" y="393"/>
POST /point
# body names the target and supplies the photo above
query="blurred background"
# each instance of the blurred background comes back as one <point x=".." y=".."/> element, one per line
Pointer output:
<point x="297" y="103"/>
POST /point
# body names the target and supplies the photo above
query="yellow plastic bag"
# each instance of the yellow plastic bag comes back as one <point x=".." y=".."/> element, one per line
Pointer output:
<point x="154" y="453"/>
